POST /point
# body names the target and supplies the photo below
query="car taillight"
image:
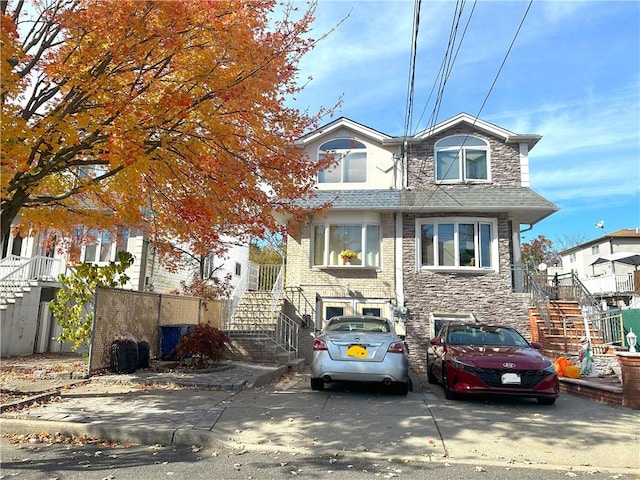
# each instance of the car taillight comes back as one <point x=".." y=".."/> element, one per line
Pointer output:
<point x="319" y="345"/>
<point x="396" y="347"/>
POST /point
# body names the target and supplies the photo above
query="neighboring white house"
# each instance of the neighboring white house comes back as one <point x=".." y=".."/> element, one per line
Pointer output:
<point x="29" y="268"/>
<point x="608" y="266"/>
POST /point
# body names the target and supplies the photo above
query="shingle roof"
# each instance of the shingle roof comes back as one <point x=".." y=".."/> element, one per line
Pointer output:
<point x="355" y="199"/>
<point x="521" y="203"/>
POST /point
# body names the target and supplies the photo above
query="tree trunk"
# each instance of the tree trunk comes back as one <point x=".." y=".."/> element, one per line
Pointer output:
<point x="10" y="209"/>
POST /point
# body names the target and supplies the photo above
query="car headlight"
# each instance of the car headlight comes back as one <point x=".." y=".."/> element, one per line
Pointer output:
<point x="551" y="369"/>
<point x="461" y="365"/>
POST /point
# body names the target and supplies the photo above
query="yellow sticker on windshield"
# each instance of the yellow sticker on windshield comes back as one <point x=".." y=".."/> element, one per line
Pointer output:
<point x="357" y="351"/>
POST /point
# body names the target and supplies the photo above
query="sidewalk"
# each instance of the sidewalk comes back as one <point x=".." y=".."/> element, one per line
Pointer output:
<point x="250" y="407"/>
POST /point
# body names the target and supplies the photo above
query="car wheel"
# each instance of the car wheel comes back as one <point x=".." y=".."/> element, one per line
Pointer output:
<point x="546" y="400"/>
<point x="317" y="384"/>
<point x="431" y="378"/>
<point x="402" y="388"/>
<point x="448" y="394"/>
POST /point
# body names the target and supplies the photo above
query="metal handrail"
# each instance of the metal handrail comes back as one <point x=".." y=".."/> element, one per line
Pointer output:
<point x="299" y="294"/>
<point x="287" y="334"/>
<point x="276" y="291"/>
<point x="585" y="299"/>
<point x="541" y="301"/>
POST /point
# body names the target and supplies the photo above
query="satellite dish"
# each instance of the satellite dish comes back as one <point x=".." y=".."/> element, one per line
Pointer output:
<point x="542" y="267"/>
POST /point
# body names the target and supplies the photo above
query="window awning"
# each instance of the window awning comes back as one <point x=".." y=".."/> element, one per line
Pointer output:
<point x="629" y="258"/>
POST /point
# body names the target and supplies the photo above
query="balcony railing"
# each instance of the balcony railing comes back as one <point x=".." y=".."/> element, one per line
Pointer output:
<point x="18" y="274"/>
<point x="610" y="284"/>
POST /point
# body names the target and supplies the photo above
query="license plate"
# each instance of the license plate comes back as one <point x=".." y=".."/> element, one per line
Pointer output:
<point x="511" y="379"/>
<point x="357" y="351"/>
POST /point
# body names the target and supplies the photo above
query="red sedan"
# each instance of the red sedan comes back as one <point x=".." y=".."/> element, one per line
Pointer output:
<point x="474" y="358"/>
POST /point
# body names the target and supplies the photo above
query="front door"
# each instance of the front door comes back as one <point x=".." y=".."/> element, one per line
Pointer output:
<point x="333" y="307"/>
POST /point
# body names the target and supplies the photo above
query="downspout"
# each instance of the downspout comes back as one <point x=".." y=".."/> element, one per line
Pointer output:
<point x="399" y="280"/>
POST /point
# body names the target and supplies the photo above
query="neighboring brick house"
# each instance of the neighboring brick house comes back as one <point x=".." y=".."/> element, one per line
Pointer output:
<point x="435" y="220"/>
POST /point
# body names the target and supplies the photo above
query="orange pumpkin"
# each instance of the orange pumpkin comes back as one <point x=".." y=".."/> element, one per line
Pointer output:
<point x="572" y="371"/>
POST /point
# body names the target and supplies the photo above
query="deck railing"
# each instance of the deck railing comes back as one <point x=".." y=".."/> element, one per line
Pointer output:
<point x="32" y="269"/>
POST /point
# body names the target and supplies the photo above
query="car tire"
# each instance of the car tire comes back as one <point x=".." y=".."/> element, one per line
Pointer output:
<point x="448" y="394"/>
<point x="546" y="400"/>
<point x="402" y="388"/>
<point x="431" y="378"/>
<point x="317" y="384"/>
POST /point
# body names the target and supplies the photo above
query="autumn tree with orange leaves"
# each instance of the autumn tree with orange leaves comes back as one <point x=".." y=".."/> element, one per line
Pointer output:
<point x="166" y="115"/>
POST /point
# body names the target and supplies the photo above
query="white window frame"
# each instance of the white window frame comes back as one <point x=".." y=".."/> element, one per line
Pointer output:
<point x="113" y="246"/>
<point x="477" y="221"/>
<point x="461" y="158"/>
<point x="363" y="242"/>
<point x="339" y="156"/>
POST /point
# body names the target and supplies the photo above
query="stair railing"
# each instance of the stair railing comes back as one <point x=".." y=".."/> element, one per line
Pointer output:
<point x="584" y="298"/>
<point x="276" y="290"/>
<point x="286" y="335"/>
<point x="35" y="268"/>
<point x="240" y="289"/>
<point x="301" y="303"/>
<point x="540" y="298"/>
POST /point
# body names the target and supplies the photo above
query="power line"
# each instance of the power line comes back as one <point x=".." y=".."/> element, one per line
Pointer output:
<point x="412" y="67"/>
<point x="495" y="79"/>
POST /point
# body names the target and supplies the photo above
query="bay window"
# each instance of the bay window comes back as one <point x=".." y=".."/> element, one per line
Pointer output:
<point x="331" y="240"/>
<point x="457" y="243"/>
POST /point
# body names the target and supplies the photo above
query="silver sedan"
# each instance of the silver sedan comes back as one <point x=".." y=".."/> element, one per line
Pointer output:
<point x="360" y="349"/>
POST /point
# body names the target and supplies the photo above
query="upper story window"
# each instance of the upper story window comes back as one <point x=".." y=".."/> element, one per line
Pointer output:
<point x="572" y="257"/>
<point x="457" y="243"/>
<point x="330" y="240"/>
<point x="101" y="246"/>
<point x="595" y="249"/>
<point x="350" y="161"/>
<point x="462" y="158"/>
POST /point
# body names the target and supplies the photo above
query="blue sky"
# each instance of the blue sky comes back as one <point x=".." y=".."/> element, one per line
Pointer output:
<point x="572" y="76"/>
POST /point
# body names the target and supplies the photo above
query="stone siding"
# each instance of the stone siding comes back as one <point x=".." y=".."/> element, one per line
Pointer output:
<point x="504" y="161"/>
<point x="489" y="296"/>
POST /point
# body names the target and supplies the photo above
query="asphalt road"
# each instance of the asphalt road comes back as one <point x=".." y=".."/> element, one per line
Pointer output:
<point x="35" y="461"/>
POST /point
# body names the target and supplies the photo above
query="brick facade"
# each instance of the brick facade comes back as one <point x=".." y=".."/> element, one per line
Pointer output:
<point x="335" y="282"/>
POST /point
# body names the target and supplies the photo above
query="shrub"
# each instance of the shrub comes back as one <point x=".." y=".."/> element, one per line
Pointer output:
<point x="205" y="344"/>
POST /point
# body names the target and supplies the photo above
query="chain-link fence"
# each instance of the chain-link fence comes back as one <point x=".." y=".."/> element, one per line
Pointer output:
<point x="142" y="316"/>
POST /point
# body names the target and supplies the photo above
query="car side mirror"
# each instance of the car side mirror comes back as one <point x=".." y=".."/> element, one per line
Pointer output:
<point x="435" y="341"/>
<point x="536" y="345"/>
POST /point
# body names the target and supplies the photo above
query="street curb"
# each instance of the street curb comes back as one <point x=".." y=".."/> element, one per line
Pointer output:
<point x="114" y="433"/>
<point x="263" y="379"/>
<point x="26" y="401"/>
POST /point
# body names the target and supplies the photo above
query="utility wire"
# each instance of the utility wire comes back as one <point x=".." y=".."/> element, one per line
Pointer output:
<point x="446" y="67"/>
<point x="495" y="79"/>
<point x="412" y="67"/>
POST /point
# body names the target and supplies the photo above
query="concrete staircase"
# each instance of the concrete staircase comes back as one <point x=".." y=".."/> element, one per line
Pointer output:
<point x="254" y="329"/>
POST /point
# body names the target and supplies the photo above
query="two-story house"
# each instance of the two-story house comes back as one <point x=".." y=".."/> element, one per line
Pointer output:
<point x="435" y="220"/>
<point x="30" y="265"/>
<point x="608" y="266"/>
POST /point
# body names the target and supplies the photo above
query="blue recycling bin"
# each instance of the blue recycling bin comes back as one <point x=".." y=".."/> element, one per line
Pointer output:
<point x="170" y="335"/>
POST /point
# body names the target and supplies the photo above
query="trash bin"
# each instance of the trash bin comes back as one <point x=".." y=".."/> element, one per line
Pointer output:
<point x="170" y="335"/>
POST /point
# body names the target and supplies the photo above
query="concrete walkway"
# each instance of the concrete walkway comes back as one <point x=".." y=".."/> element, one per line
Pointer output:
<point x="243" y="407"/>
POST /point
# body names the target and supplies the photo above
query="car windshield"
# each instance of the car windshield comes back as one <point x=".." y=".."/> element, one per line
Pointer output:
<point x="373" y="325"/>
<point x="471" y="335"/>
